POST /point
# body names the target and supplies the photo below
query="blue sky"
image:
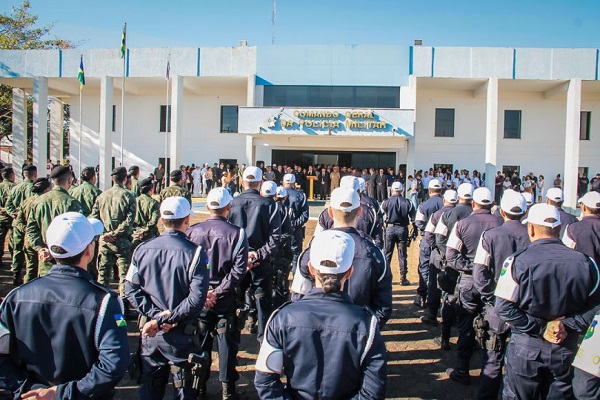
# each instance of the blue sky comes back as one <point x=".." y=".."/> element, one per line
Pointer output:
<point x="189" y="23"/>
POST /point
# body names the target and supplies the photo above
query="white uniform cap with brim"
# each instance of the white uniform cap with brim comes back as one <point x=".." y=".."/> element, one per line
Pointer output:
<point x="281" y="192"/>
<point x="555" y="194"/>
<point x="396" y="186"/>
<point x="349" y="181"/>
<point x="591" y="200"/>
<point x="70" y="233"/>
<point x="513" y="203"/>
<point x="344" y="199"/>
<point x="528" y="198"/>
<point x="434" y="184"/>
<point x="544" y="215"/>
<point x="451" y="196"/>
<point x="483" y="196"/>
<point x="252" y="174"/>
<point x="465" y="191"/>
<point x="175" y="207"/>
<point x="289" y="178"/>
<point x="218" y="198"/>
<point x="332" y="252"/>
<point x="268" y="189"/>
<point x="361" y="184"/>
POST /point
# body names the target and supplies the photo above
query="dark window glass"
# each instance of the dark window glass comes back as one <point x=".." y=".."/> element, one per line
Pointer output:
<point x="584" y="125"/>
<point x="331" y="96"/>
<point x="512" y="124"/>
<point x="229" y="118"/>
<point x="444" y="122"/>
<point x="164" y="117"/>
<point x="509" y="170"/>
<point x="114" y="118"/>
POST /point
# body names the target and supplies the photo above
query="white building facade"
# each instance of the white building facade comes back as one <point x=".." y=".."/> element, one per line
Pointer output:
<point x="489" y="109"/>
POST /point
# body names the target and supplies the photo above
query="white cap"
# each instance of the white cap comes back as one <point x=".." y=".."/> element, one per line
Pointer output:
<point x="591" y="200"/>
<point x="332" y="252"/>
<point x="451" y="196"/>
<point x="289" y="178"/>
<point x="396" y="186"/>
<point x="555" y="194"/>
<point x="349" y="181"/>
<point x="465" y="191"/>
<point x="528" y="198"/>
<point x="434" y="184"/>
<point x="483" y="196"/>
<point x="70" y="233"/>
<point x="252" y="174"/>
<point x="281" y="192"/>
<point x="268" y="189"/>
<point x="218" y="198"/>
<point x="344" y="199"/>
<point x="361" y="184"/>
<point x="175" y="207"/>
<point x="544" y="215"/>
<point x="513" y="203"/>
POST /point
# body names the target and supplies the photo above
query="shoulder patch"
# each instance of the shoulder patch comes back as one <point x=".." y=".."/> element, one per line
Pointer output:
<point x="120" y="320"/>
<point x="507" y="287"/>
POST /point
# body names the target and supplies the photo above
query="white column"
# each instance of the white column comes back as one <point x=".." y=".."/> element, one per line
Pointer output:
<point x="106" y="136"/>
<point x="251" y="91"/>
<point x="40" y="122"/>
<point x="176" y="141"/>
<point x="491" y="134"/>
<point x="410" y="142"/>
<point x="19" y="130"/>
<point x="250" y="150"/>
<point x="56" y="129"/>
<point x="572" y="144"/>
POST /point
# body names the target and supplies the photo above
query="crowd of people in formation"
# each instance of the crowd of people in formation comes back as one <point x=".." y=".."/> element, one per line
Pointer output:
<point x="518" y="279"/>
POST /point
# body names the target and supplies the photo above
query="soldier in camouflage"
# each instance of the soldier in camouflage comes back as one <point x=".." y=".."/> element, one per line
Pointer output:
<point x="134" y="174"/>
<point x="17" y="196"/>
<point x="147" y="214"/>
<point x="87" y="192"/>
<point x="116" y="209"/>
<point x="175" y="188"/>
<point x="57" y="201"/>
<point x="7" y="184"/>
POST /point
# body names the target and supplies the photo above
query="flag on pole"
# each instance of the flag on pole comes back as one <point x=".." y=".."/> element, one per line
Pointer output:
<point x="168" y="69"/>
<point x="81" y="75"/>
<point x="124" y="41"/>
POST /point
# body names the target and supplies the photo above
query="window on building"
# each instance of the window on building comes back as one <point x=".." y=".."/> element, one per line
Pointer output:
<point x="509" y="170"/>
<point x="331" y="96"/>
<point x="164" y="118"/>
<point x="444" y="122"/>
<point x="114" y="118"/>
<point x="443" y="167"/>
<point x="229" y="119"/>
<point x="512" y="124"/>
<point x="585" y="118"/>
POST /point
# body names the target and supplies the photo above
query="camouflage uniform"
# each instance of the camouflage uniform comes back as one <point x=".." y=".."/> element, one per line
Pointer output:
<point x="135" y="187"/>
<point x="17" y="196"/>
<point x="175" y="190"/>
<point x="55" y="202"/>
<point x="31" y="256"/>
<point x="146" y="219"/>
<point x="86" y="194"/>
<point x="5" y="218"/>
<point x="116" y="209"/>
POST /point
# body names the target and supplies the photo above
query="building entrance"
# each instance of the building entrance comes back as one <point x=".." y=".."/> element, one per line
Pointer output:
<point x="342" y="158"/>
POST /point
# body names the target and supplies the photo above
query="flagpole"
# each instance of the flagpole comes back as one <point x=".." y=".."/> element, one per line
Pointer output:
<point x="124" y="48"/>
<point x="80" y="128"/>
<point x="167" y="115"/>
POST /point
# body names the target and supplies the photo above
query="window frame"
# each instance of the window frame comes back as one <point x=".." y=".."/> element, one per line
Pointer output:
<point x="519" y="128"/>
<point x="438" y="129"/>
<point x="588" y="122"/>
<point x="164" y="117"/>
<point x="237" y="118"/>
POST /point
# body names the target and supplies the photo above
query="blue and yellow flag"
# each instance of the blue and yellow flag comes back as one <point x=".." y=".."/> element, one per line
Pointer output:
<point x="123" y="41"/>
<point x="81" y="75"/>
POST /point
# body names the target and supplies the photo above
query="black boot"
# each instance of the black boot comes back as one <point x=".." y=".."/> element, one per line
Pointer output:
<point x="229" y="391"/>
<point x="419" y="301"/>
<point x="404" y="281"/>
<point x="430" y="318"/>
<point x="443" y="343"/>
<point x="459" y="376"/>
<point x="17" y="280"/>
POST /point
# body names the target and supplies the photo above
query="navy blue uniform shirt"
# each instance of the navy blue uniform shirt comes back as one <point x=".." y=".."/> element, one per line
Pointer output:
<point x="584" y="236"/>
<point x="368" y="223"/>
<point x="398" y="210"/>
<point x="297" y="206"/>
<point x="426" y="210"/>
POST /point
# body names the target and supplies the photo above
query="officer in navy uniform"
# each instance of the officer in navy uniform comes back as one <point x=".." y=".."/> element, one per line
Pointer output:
<point x="226" y="246"/>
<point x="259" y="216"/>
<point x="338" y="330"/>
<point x="495" y="246"/>
<point x="434" y="294"/>
<point x="371" y="283"/>
<point x="64" y="335"/>
<point x="424" y="212"/>
<point x="554" y="197"/>
<point x="399" y="214"/>
<point x="546" y="293"/>
<point x="297" y="206"/>
<point x="167" y="282"/>
<point x="367" y="200"/>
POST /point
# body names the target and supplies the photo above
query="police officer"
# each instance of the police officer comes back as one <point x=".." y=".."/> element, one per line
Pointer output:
<point x="147" y="214"/>
<point x="371" y="283"/>
<point x="399" y="213"/>
<point x="424" y="212"/>
<point x="227" y="250"/>
<point x="7" y="184"/>
<point x="495" y="246"/>
<point x="460" y="253"/>
<point x="116" y="209"/>
<point x="87" y="192"/>
<point x="167" y="283"/>
<point x="259" y="217"/>
<point x="554" y="197"/>
<point x="368" y="200"/>
<point x="39" y="187"/>
<point x="57" y="201"/>
<point x="175" y="187"/>
<point x="537" y="286"/>
<point x="134" y="175"/>
<point x="63" y="335"/>
<point x="17" y="196"/>
<point x="338" y="330"/>
<point x="434" y="294"/>
<point x="584" y="235"/>
<point x="298" y="208"/>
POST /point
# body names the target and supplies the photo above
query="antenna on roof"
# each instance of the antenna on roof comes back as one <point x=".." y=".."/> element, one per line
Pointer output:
<point x="273" y="21"/>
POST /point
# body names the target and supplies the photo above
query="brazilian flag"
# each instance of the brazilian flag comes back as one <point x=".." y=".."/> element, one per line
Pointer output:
<point x="124" y="41"/>
<point x="81" y="75"/>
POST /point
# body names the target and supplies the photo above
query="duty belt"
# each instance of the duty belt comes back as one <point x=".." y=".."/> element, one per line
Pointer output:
<point x="400" y="225"/>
